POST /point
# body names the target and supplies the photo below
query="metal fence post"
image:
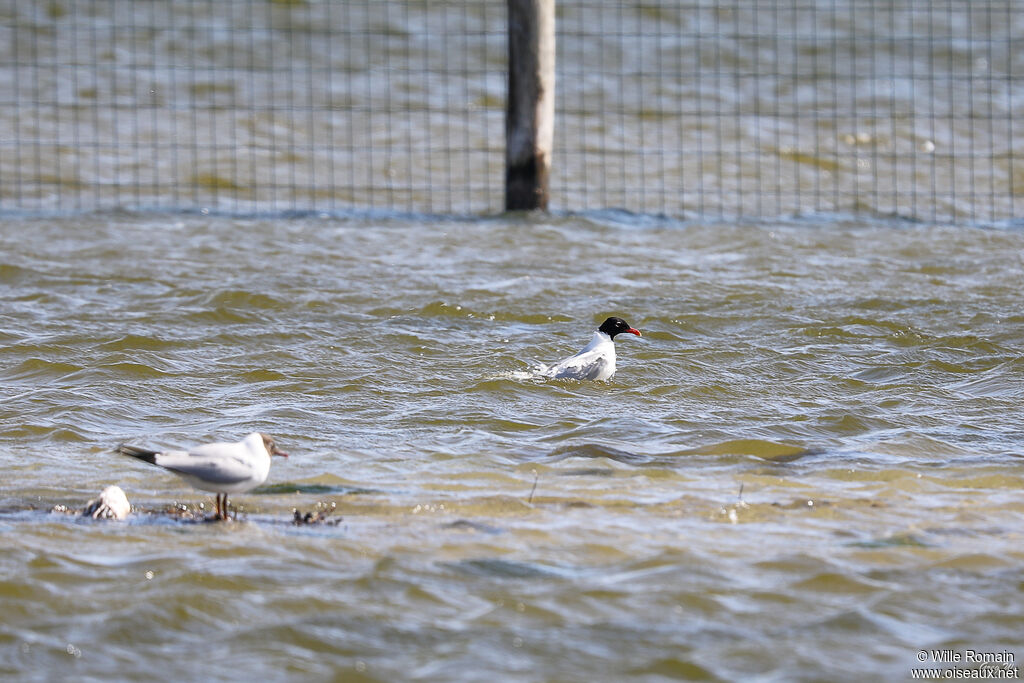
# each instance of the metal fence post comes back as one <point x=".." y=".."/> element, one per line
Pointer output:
<point x="530" y="110"/>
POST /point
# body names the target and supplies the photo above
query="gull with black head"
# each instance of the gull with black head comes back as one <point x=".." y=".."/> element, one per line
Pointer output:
<point x="596" y="361"/>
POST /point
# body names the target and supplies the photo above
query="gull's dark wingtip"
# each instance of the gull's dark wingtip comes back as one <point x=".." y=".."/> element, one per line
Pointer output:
<point x="139" y="453"/>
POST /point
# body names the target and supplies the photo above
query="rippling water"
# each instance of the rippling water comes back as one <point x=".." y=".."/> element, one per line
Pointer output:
<point x="808" y="468"/>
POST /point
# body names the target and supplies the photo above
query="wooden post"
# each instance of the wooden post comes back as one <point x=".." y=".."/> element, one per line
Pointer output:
<point x="530" y="111"/>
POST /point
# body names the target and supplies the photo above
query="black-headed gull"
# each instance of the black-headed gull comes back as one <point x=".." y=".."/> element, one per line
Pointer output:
<point x="597" y="360"/>
<point x="222" y="468"/>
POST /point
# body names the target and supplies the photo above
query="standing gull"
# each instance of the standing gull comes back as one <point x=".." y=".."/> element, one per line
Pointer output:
<point x="222" y="468"/>
<point x="597" y="359"/>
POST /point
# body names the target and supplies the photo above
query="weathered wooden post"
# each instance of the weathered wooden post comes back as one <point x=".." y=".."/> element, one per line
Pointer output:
<point x="530" y="111"/>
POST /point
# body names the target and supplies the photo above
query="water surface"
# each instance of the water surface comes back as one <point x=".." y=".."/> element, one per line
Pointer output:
<point x="808" y="468"/>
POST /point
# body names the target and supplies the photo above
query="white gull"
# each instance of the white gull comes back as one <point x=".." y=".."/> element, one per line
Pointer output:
<point x="222" y="468"/>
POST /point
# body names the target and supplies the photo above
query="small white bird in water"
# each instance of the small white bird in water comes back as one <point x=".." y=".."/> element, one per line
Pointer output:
<point x="597" y="360"/>
<point x="111" y="504"/>
<point x="222" y="468"/>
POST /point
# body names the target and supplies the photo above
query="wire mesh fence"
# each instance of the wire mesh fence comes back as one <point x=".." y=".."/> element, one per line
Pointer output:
<point x="251" y="105"/>
<point x="691" y="108"/>
<point x="764" y="108"/>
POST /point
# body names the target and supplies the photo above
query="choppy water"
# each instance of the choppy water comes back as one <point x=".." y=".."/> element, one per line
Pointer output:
<point x="809" y="468"/>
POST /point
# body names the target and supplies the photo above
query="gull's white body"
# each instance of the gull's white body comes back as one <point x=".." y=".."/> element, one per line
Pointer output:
<point x="596" y="361"/>
<point x="221" y="467"/>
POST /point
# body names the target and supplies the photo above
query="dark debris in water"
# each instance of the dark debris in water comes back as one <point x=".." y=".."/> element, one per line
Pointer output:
<point x="197" y="513"/>
<point x="318" y="516"/>
<point x="183" y="512"/>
